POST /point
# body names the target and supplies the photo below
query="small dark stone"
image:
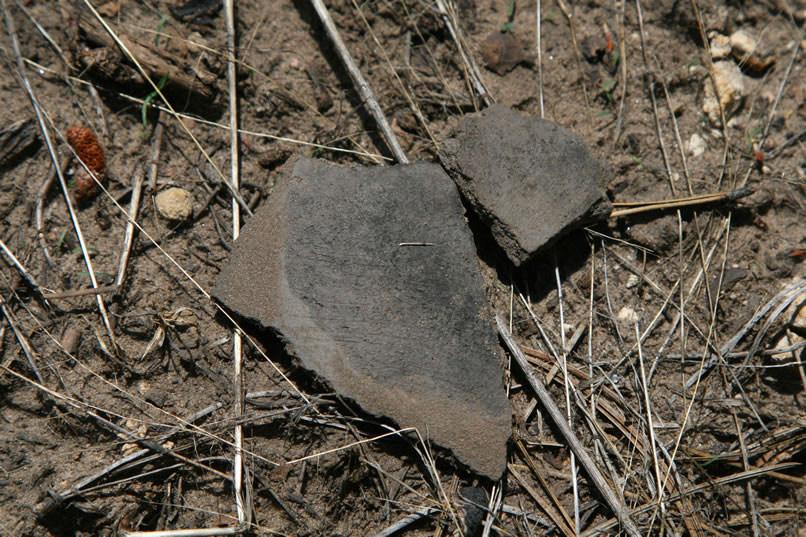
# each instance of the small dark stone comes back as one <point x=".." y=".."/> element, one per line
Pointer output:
<point x="528" y="179"/>
<point x="473" y="502"/>
<point x="658" y="233"/>
<point x="370" y="276"/>
<point x="197" y="11"/>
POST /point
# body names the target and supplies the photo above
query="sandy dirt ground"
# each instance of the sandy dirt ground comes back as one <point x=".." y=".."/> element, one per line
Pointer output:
<point x="119" y="407"/>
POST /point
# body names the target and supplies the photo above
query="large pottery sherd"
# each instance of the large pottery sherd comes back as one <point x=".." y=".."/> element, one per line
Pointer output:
<point x="370" y="275"/>
<point x="529" y="180"/>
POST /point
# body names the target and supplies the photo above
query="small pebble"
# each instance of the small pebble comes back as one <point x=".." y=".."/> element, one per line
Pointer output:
<point x="627" y="315"/>
<point x="501" y="52"/>
<point x="746" y="51"/>
<point x="71" y="339"/>
<point x="175" y="204"/>
<point x="720" y="46"/>
<point x="696" y="145"/>
<point x="742" y="43"/>
<point x="797" y="312"/>
<point x="730" y="87"/>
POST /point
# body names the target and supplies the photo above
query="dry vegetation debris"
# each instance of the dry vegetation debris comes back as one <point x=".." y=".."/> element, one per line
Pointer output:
<point x="665" y="337"/>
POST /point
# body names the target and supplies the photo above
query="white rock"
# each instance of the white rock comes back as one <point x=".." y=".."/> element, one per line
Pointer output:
<point x="697" y="70"/>
<point x="720" y="46"/>
<point x="797" y="312"/>
<point x="742" y="43"/>
<point x="696" y="145"/>
<point x="735" y="123"/>
<point x="632" y="281"/>
<point x="627" y="315"/>
<point x="787" y="339"/>
<point x="730" y="88"/>
<point x="175" y="204"/>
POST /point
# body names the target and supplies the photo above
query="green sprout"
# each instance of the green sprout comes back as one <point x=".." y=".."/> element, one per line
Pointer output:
<point x="606" y="90"/>
<point x="639" y="161"/>
<point x="751" y="137"/>
<point x="144" y="109"/>
<point x="61" y="241"/>
<point x="104" y="275"/>
<point x="509" y="25"/>
<point x="160" y="26"/>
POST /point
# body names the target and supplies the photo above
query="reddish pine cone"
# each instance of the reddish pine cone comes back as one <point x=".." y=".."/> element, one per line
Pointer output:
<point x="87" y="148"/>
<point x="90" y="152"/>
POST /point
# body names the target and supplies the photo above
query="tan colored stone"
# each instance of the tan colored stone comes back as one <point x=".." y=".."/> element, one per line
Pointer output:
<point x="742" y="43"/>
<point x="696" y="145"/>
<point x="720" y="46"/>
<point x="729" y="83"/>
<point x="175" y="204"/>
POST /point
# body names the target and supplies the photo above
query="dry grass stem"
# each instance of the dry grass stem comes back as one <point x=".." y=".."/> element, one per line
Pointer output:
<point x="587" y="462"/>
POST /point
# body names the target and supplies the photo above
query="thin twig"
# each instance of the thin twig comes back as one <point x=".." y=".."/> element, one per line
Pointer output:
<point x="82" y="406"/>
<point x="797" y="45"/>
<point x="709" y="63"/>
<point x="748" y="485"/>
<point x="613" y="501"/>
<point x="567" y="389"/>
<point x="649" y="419"/>
<point x="493" y="507"/>
<point x="83" y="292"/>
<point x="39" y="212"/>
<point x="711" y="484"/>
<point x="363" y="87"/>
<point x="407" y="521"/>
<point x="560" y="523"/>
<point x="157" y="448"/>
<point x="21" y="269"/>
<point x="560" y="517"/>
<point x="649" y="79"/>
<point x="241" y="499"/>
<point x="200" y="532"/>
<point x="744" y="354"/>
<point x="179" y="115"/>
<point x="25" y="345"/>
<point x="128" y="237"/>
<point x="52" y="42"/>
<point x="179" y="267"/>
<point x="156" y="148"/>
<point x="642" y="207"/>
<point x="677" y="136"/>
